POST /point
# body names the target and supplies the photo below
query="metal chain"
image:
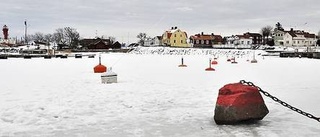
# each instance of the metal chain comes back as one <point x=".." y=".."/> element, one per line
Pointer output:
<point x="280" y="101"/>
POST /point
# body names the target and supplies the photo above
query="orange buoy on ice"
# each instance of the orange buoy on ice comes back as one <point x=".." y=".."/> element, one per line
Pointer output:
<point x="100" y="68"/>
<point x="182" y="65"/>
<point x="210" y="68"/>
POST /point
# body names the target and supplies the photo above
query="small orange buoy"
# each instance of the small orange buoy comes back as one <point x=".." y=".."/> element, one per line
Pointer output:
<point x="182" y="65"/>
<point x="100" y="68"/>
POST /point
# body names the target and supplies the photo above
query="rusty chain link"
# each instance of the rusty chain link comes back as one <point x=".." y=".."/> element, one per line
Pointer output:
<point x="280" y="101"/>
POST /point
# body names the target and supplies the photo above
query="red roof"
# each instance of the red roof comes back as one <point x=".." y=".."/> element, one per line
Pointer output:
<point x="202" y="37"/>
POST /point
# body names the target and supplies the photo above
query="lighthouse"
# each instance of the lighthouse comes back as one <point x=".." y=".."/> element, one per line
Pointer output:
<point x="5" y="30"/>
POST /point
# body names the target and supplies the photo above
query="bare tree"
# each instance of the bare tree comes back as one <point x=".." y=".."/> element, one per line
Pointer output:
<point x="112" y="39"/>
<point x="68" y="36"/>
<point x="58" y="36"/>
<point x="72" y="37"/>
<point x="279" y="26"/>
<point x="266" y="32"/>
<point x="48" y="38"/>
<point x="142" y="37"/>
<point x="38" y="36"/>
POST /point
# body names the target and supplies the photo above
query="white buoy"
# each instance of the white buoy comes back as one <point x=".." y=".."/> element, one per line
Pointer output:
<point x="109" y="77"/>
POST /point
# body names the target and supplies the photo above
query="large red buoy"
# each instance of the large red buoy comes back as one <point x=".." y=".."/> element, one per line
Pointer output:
<point x="100" y="68"/>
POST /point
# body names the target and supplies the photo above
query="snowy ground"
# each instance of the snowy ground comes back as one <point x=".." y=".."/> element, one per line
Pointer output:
<point x="153" y="97"/>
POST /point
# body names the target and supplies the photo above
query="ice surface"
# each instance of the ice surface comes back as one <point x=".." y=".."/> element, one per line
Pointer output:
<point x="153" y="96"/>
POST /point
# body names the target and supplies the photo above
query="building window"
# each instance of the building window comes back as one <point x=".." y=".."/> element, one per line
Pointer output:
<point x="197" y="41"/>
<point x="208" y="42"/>
<point x="181" y="41"/>
<point x="174" y="41"/>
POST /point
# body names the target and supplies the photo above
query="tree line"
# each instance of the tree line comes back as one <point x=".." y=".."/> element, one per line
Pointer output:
<point x="66" y="36"/>
<point x="63" y="36"/>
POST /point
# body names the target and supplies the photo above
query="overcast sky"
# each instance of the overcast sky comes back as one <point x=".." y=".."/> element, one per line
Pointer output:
<point x="124" y="19"/>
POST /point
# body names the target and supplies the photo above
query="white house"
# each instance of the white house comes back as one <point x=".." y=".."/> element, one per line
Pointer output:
<point x="296" y="38"/>
<point x="239" y="40"/>
<point x="148" y="42"/>
<point x="151" y="42"/>
<point x="158" y="41"/>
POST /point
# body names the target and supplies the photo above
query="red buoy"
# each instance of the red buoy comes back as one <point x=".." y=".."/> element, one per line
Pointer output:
<point x="100" y="68"/>
<point x="233" y="61"/>
<point x="214" y="62"/>
<point x="254" y="59"/>
<point x="182" y="65"/>
<point x="210" y="68"/>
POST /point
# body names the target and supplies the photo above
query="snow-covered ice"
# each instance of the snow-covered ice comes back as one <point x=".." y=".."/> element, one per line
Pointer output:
<point x="153" y="96"/>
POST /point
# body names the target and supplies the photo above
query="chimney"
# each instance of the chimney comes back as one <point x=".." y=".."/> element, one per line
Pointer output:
<point x="291" y="29"/>
<point x="171" y="28"/>
<point x="176" y="27"/>
<point x="202" y="33"/>
<point x="212" y="34"/>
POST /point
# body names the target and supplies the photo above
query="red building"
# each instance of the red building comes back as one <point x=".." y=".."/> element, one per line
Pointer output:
<point x="99" y="43"/>
<point x="205" y="40"/>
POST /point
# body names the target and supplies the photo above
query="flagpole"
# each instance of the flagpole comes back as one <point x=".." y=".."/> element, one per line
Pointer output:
<point x="25" y="32"/>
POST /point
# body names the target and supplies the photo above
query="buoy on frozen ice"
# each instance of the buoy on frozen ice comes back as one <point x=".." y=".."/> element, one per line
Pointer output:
<point x="210" y="68"/>
<point x="254" y="59"/>
<point x="182" y="65"/>
<point x="233" y="61"/>
<point x="214" y="62"/>
<point x="109" y="77"/>
<point x="100" y="68"/>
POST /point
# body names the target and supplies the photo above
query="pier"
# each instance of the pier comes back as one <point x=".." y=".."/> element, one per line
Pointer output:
<point x="315" y="55"/>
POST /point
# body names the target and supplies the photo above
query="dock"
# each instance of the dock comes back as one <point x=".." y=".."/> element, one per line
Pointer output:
<point x="315" y="55"/>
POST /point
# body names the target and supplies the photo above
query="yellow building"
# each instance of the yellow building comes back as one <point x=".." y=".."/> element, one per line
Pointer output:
<point x="175" y="38"/>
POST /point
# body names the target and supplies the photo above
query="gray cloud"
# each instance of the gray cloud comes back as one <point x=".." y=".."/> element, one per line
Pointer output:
<point x="124" y="19"/>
